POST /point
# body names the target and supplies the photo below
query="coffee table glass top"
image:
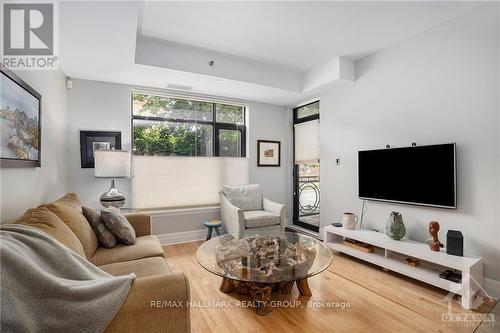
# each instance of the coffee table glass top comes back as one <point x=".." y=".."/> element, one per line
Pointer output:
<point x="264" y="258"/>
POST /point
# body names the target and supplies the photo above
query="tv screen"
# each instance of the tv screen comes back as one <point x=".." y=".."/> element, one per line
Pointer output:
<point x="421" y="175"/>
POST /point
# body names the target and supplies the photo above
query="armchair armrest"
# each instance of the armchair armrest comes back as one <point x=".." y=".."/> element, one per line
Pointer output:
<point x="141" y="222"/>
<point x="231" y="216"/>
<point x="276" y="209"/>
<point x="155" y="304"/>
<point x="273" y="207"/>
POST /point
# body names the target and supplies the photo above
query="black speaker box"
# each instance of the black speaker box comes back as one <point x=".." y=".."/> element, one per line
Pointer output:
<point x="455" y="243"/>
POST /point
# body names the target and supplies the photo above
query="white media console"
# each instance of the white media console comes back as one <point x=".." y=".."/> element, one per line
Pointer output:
<point x="390" y="255"/>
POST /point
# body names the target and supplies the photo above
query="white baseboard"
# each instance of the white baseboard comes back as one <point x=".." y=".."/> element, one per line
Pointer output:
<point x="185" y="236"/>
<point x="492" y="287"/>
<point x="182" y="237"/>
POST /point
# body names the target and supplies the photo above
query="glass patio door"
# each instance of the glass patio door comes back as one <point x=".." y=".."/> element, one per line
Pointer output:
<point x="306" y="166"/>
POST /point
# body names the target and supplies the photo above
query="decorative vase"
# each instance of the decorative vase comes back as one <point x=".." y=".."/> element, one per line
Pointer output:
<point x="395" y="228"/>
<point x="349" y="221"/>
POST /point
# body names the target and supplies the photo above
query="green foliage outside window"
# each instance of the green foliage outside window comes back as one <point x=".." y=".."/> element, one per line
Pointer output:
<point x="175" y="138"/>
<point x="159" y="106"/>
<point x="229" y="143"/>
<point x="230" y="114"/>
<point x="156" y="138"/>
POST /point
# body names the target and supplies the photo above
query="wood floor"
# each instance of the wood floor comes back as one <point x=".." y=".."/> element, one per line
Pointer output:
<point x="379" y="301"/>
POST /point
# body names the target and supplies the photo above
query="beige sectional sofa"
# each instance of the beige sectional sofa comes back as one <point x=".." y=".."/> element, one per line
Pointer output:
<point x="154" y="279"/>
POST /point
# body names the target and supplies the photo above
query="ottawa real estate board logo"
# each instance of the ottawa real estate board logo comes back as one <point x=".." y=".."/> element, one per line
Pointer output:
<point x="29" y="36"/>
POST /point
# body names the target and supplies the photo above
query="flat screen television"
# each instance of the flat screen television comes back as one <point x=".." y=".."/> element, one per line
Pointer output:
<point x="420" y="175"/>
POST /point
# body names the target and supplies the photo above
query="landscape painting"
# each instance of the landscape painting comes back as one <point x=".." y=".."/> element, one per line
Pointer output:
<point x="19" y="122"/>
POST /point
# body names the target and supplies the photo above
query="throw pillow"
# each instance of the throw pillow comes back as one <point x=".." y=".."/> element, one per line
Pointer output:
<point x="69" y="210"/>
<point x="119" y="225"/>
<point x="43" y="219"/>
<point x="72" y="200"/>
<point x="102" y="232"/>
<point x="245" y="197"/>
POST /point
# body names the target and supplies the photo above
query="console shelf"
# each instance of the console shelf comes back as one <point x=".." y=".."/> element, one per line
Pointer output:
<point x="390" y="255"/>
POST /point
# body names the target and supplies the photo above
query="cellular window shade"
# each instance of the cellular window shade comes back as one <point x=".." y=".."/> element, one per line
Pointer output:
<point x="307" y="142"/>
<point x="170" y="182"/>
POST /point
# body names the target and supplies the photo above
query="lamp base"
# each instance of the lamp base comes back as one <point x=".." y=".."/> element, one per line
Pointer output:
<point x="112" y="197"/>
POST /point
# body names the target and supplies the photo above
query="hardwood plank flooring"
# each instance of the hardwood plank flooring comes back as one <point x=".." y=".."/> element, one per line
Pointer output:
<point x="379" y="301"/>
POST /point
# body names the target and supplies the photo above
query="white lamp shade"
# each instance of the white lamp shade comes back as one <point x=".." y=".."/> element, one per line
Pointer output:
<point x="112" y="163"/>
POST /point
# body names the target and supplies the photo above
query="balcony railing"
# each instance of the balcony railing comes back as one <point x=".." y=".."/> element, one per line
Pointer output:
<point x="309" y="198"/>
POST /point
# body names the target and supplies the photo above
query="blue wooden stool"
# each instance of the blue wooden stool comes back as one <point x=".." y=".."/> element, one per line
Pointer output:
<point x="214" y="224"/>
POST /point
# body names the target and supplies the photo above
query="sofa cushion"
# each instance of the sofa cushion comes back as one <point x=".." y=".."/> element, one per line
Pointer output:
<point x="119" y="225"/>
<point x="245" y="197"/>
<point x="43" y="219"/>
<point x="69" y="210"/>
<point x="141" y="267"/>
<point x="102" y="232"/>
<point x="145" y="247"/>
<point x="260" y="219"/>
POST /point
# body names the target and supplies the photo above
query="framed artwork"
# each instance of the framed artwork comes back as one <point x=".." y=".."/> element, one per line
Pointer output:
<point x="20" y="122"/>
<point x="268" y="153"/>
<point x="90" y="141"/>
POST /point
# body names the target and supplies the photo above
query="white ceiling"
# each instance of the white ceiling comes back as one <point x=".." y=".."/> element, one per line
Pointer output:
<point x="300" y="35"/>
<point x="98" y="41"/>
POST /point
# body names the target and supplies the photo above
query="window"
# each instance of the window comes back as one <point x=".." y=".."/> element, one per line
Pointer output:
<point x="230" y="114"/>
<point x="167" y="126"/>
<point x="229" y="142"/>
<point x="306" y="189"/>
<point x="307" y="111"/>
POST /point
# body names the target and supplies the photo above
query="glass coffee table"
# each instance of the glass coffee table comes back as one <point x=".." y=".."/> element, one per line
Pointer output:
<point x="257" y="265"/>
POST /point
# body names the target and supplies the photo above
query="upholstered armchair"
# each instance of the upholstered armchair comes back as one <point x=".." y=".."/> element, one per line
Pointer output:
<point x="244" y="210"/>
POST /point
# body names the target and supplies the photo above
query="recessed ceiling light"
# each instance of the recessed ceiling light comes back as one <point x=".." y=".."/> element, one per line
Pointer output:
<point x="218" y="80"/>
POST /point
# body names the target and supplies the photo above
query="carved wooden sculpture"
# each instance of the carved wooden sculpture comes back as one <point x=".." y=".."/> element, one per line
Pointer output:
<point x="434" y="242"/>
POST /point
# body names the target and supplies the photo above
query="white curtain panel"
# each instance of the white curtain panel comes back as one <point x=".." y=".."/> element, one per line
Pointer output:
<point x="307" y="142"/>
<point x="169" y="182"/>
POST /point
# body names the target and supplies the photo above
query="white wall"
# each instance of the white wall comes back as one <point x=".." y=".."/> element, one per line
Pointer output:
<point x="94" y="105"/>
<point x="439" y="86"/>
<point x="23" y="188"/>
<point x="270" y="122"/>
<point x="97" y="106"/>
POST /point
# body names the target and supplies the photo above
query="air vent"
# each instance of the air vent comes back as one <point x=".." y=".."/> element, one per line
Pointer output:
<point x="179" y="87"/>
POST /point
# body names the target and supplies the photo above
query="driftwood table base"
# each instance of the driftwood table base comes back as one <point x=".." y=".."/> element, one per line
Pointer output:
<point x="303" y="287"/>
<point x="260" y="293"/>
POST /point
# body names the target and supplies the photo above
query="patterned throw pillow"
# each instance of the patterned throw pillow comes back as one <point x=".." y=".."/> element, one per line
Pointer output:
<point x="102" y="232"/>
<point x="119" y="225"/>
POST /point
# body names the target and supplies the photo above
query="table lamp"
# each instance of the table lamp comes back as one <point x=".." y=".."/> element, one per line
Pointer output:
<point x="112" y="164"/>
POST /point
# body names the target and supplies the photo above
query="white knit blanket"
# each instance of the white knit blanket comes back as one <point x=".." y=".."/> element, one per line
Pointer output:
<point x="46" y="287"/>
